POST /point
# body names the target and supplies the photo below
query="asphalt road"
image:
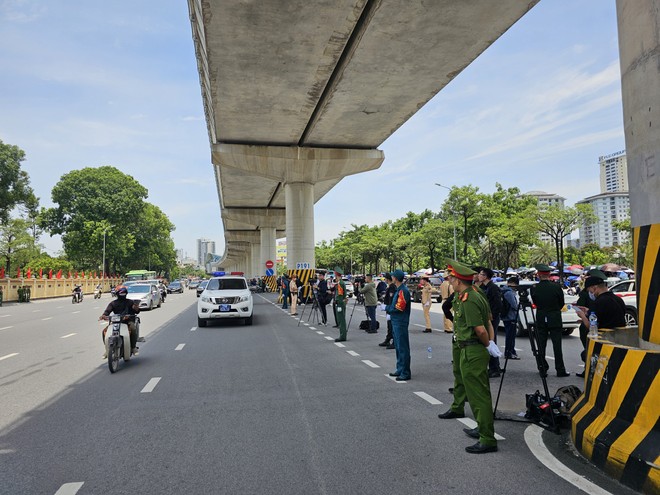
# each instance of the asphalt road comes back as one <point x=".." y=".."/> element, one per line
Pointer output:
<point x="276" y="407"/>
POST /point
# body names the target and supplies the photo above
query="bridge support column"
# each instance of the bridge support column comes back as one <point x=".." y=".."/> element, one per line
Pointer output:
<point x="615" y="422"/>
<point x="299" y="197"/>
<point x="256" y="270"/>
<point x="268" y="245"/>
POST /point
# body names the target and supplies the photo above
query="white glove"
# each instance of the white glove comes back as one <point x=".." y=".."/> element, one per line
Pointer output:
<point x="388" y="317"/>
<point x="493" y="350"/>
<point x="383" y="307"/>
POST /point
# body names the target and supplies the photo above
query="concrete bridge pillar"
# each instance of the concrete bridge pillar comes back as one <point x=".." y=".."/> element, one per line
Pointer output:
<point x="299" y="224"/>
<point x="256" y="270"/>
<point x="268" y="245"/>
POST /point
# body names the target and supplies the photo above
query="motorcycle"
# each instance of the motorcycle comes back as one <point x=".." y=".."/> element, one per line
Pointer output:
<point x="97" y="293"/>
<point x="118" y="340"/>
<point x="77" y="297"/>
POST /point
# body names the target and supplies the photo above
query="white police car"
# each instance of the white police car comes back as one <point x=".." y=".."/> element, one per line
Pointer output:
<point x="226" y="296"/>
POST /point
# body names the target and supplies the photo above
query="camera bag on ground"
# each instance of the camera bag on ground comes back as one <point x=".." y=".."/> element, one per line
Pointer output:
<point x="364" y="325"/>
<point x="568" y="395"/>
<point x="540" y="410"/>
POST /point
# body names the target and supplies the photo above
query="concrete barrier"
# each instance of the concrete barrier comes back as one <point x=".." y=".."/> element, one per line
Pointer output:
<point x="44" y="288"/>
<point x="616" y="422"/>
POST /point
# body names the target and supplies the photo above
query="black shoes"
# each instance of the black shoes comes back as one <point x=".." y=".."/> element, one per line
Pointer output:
<point x="402" y="379"/>
<point x="562" y="374"/>
<point x="384" y="344"/>
<point x="472" y="432"/>
<point x="340" y="340"/>
<point x="394" y="373"/>
<point x="513" y="357"/>
<point x="477" y="448"/>
<point x="493" y="373"/>
<point x="427" y="330"/>
<point x="451" y="390"/>
<point x="390" y="346"/>
<point x="450" y="415"/>
<point x="372" y="331"/>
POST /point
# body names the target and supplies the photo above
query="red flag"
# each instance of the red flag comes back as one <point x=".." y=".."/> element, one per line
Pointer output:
<point x="401" y="302"/>
<point x="50" y="273"/>
<point x="69" y="274"/>
<point x="59" y="274"/>
<point x="2" y="272"/>
<point x="41" y="274"/>
<point x="76" y="275"/>
<point x="82" y="274"/>
<point x="29" y="273"/>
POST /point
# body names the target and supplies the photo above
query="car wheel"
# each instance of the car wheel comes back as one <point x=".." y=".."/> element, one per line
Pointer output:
<point x="567" y="331"/>
<point x="248" y="320"/>
<point x="631" y="317"/>
<point x="160" y="303"/>
<point x="151" y="305"/>
<point x="201" y="322"/>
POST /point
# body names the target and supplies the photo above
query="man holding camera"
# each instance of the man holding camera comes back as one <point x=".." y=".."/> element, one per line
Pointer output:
<point x="368" y="290"/>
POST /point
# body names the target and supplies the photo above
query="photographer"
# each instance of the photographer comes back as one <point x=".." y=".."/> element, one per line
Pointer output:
<point x="323" y="296"/>
<point x="368" y="290"/>
<point x="510" y="317"/>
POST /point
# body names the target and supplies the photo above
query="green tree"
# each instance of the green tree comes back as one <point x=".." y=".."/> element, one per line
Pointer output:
<point x="592" y="254"/>
<point x="15" y="187"/>
<point x="16" y="244"/>
<point x="465" y="204"/>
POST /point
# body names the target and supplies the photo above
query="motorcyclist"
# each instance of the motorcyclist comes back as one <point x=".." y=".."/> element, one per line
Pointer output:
<point x="77" y="291"/>
<point x="123" y="306"/>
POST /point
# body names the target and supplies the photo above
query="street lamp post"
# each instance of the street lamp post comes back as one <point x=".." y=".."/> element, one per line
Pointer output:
<point x="103" y="269"/>
<point x="454" y="213"/>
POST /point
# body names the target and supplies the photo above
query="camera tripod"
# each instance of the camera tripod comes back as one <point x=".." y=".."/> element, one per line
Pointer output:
<point x="314" y="310"/>
<point x="525" y="304"/>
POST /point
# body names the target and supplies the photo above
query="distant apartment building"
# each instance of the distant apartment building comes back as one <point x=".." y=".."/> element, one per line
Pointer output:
<point x="204" y="247"/>
<point x="544" y="200"/>
<point x="613" y="172"/>
<point x="180" y="255"/>
<point x="608" y="207"/>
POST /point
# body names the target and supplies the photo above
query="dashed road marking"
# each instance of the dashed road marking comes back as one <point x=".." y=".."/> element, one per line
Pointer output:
<point x="9" y="355"/>
<point x="48" y="318"/>
<point x="193" y="329"/>
<point x="306" y="324"/>
<point x="68" y="335"/>
<point x="371" y="364"/>
<point x="471" y="423"/>
<point x="36" y="311"/>
<point x="70" y="488"/>
<point x="75" y="312"/>
<point x="7" y="328"/>
<point x="4" y="316"/>
<point x="534" y="442"/>
<point x="393" y="378"/>
<point x="353" y="353"/>
<point x="428" y="398"/>
<point x="339" y="344"/>
<point x="327" y="337"/>
<point x="320" y="332"/>
<point x="312" y="328"/>
<point x="151" y="385"/>
<point x="179" y="347"/>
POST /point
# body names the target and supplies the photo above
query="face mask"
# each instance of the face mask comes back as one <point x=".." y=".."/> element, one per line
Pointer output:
<point x="592" y="296"/>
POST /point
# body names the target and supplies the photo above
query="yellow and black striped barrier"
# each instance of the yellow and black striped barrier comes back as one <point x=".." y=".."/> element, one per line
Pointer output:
<point x="616" y="422"/>
<point x="271" y="282"/>
<point x="303" y="276"/>
<point x="646" y="244"/>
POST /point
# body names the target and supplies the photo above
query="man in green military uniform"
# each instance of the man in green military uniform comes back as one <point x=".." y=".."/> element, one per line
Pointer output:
<point x="549" y="300"/>
<point x="471" y="350"/>
<point x="340" y="301"/>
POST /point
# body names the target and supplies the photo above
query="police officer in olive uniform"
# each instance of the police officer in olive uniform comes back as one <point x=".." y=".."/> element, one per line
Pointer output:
<point x="471" y="350"/>
<point x="340" y="301"/>
<point x="549" y="300"/>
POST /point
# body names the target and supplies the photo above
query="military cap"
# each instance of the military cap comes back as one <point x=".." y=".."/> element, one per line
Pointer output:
<point x="597" y="273"/>
<point x="399" y="275"/>
<point x="338" y="270"/>
<point x="459" y="270"/>
<point x="591" y="281"/>
<point x="543" y="268"/>
<point x="388" y="276"/>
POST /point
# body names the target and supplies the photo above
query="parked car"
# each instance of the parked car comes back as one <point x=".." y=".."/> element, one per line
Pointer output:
<point x="626" y="291"/>
<point x="175" y="287"/>
<point x="350" y="289"/>
<point x="225" y="297"/>
<point x="193" y="284"/>
<point x="148" y="295"/>
<point x="200" y="288"/>
<point x="414" y="286"/>
<point x="526" y="316"/>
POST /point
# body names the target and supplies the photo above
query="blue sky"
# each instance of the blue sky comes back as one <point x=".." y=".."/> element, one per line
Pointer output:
<point x="91" y="83"/>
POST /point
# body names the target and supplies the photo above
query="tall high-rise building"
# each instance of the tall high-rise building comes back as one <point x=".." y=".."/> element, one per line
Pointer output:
<point x="204" y="247"/>
<point x="608" y="207"/>
<point x="613" y="172"/>
<point x="544" y="200"/>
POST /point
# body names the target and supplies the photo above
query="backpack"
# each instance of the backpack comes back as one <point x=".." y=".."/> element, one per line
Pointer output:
<point x="506" y="306"/>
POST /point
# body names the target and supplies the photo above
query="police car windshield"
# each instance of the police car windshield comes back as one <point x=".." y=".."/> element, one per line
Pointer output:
<point x="226" y="284"/>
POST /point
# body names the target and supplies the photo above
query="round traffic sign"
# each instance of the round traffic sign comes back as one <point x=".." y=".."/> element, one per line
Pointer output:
<point x="270" y="272"/>
<point x="269" y="264"/>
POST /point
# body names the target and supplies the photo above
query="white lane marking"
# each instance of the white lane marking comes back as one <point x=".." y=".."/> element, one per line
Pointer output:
<point x="320" y="332"/>
<point x="75" y="312"/>
<point x="428" y="398"/>
<point x="306" y="324"/>
<point x="151" y="385"/>
<point x="59" y="307"/>
<point x="471" y="423"/>
<point x="193" y="329"/>
<point x="49" y="318"/>
<point x="371" y="364"/>
<point x="179" y="347"/>
<point x="9" y="355"/>
<point x="68" y="335"/>
<point x="353" y="353"/>
<point x="4" y="316"/>
<point x="534" y="442"/>
<point x="550" y="357"/>
<point x="36" y="310"/>
<point x="327" y="337"/>
<point x="96" y="307"/>
<point x="339" y="344"/>
<point x="393" y="378"/>
<point x="7" y="328"/>
<point x="312" y="328"/>
<point x="70" y="488"/>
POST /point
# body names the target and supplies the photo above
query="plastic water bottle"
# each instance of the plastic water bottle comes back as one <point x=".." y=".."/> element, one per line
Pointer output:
<point x="429" y="351"/>
<point x="593" y="326"/>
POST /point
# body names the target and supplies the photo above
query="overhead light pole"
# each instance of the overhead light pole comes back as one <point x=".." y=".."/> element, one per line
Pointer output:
<point x="103" y="269"/>
<point x="454" y="213"/>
